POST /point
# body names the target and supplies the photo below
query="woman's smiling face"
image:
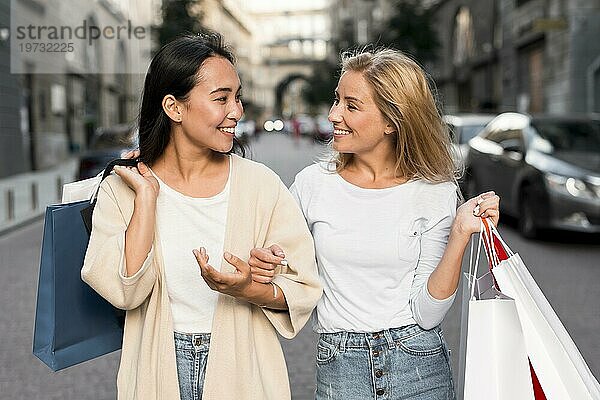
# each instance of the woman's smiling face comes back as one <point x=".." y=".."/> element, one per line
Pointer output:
<point x="358" y="124"/>
<point x="214" y="106"/>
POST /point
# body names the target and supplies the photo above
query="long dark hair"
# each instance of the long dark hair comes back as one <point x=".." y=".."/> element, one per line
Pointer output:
<point x="173" y="70"/>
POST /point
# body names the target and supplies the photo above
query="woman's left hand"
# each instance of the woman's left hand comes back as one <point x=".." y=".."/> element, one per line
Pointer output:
<point x="468" y="215"/>
<point x="233" y="284"/>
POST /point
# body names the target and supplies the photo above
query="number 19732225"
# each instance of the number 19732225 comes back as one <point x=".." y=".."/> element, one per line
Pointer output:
<point x="42" y="47"/>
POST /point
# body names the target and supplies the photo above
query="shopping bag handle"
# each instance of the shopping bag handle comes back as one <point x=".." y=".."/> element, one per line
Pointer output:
<point x="87" y="212"/>
<point x="496" y="249"/>
<point x="473" y="265"/>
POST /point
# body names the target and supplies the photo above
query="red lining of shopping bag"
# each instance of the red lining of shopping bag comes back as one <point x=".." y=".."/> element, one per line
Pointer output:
<point x="502" y="255"/>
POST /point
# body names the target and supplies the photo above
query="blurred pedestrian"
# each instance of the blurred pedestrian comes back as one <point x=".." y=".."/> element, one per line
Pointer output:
<point x="389" y="238"/>
<point x="197" y="326"/>
<point x="296" y="129"/>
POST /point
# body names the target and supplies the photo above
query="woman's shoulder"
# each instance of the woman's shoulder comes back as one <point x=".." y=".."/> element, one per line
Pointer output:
<point x="251" y="168"/>
<point x="315" y="172"/>
<point x="437" y="188"/>
<point x="436" y="196"/>
<point x="116" y="187"/>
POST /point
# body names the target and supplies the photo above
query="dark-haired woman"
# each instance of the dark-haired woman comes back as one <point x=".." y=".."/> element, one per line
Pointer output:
<point x="167" y="235"/>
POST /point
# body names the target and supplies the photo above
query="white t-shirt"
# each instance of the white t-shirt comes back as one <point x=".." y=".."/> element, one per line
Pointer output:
<point x="185" y="223"/>
<point x="375" y="249"/>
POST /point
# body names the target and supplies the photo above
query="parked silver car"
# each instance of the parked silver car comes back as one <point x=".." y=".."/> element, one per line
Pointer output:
<point x="464" y="127"/>
<point x="546" y="169"/>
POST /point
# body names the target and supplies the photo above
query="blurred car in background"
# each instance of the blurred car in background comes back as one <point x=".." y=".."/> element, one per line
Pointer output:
<point x="106" y="145"/>
<point x="546" y="170"/>
<point x="245" y="129"/>
<point x="324" y="131"/>
<point x="307" y="124"/>
<point x="464" y="127"/>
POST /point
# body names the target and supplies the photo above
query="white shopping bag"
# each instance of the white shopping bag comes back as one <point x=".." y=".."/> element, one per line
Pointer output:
<point x="495" y="362"/>
<point x="81" y="190"/>
<point x="87" y="188"/>
<point x="560" y="368"/>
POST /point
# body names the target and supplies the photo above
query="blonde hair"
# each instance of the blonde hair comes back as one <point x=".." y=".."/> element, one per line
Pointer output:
<point x="402" y="94"/>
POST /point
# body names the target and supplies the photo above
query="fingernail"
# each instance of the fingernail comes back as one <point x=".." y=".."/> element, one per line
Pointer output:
<point x="284" y="263"/>
<point x="202" y="250"/>
<point x="281" y="254"/>
<point x="195" y="253"/>
<point x="227" y="255"/>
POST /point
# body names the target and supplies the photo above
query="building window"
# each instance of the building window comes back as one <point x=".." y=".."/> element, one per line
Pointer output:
<point x="463" y="36"/>
<point x="521" y="2"/>
<point x="530" y="97"/>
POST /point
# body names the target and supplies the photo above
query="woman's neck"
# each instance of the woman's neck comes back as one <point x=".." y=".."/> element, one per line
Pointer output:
<point x="186" y="163"/>
<point x="373" y="167"/>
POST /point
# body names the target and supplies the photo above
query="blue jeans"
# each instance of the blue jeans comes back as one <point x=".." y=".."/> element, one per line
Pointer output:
<point x="191" y="353"/>
<point x="400" y="363"/>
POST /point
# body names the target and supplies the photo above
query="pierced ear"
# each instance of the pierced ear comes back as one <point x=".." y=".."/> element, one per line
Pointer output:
<point x="172" y="108"/>
<point x="390" y="129"/>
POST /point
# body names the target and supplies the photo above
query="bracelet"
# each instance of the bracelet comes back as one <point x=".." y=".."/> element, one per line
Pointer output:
<point x="275" y="292"/>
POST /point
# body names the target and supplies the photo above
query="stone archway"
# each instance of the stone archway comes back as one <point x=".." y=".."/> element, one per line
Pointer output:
<point x="281" y="88"/>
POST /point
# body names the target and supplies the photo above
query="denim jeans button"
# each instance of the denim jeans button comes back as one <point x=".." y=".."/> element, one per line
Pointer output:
<point x="379" y="373"/>
<point x="375" y="353"/>
<point x="380" y="392"/>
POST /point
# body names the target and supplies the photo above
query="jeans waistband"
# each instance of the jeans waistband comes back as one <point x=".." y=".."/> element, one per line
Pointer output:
<point x="192" y="341"/>
<point x="387" y="337"/>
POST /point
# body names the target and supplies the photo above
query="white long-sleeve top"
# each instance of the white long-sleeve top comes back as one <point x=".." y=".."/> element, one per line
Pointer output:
<point x="376" y="249"/>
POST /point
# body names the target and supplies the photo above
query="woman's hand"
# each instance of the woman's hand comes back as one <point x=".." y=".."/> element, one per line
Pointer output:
<point x="135" y="153"/>
<point x="233" y="284"/>
<point x="468" y="215"/>
<point x="139" y="179"/>
<point x="263" y="262"/>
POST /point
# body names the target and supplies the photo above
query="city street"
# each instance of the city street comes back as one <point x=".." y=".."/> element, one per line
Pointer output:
<point x="566" y="267"/>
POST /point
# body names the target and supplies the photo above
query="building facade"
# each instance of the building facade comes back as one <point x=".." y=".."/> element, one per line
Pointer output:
<point x="534" y="56"/>
<point x="13" y="142"/>
<point x="65" y="96"/>
<point x="292" y="38"/>
<point x="230" y="19"/>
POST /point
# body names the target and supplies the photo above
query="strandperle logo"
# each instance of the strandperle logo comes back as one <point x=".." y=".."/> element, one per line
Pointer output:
<point x="83" y="31"/>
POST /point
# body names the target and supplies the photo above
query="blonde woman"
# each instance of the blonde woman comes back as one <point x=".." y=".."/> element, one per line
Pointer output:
<point x="389" y="238"/>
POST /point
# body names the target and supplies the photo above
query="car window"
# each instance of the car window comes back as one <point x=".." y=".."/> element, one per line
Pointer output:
<point x="468" y="132"/>
<point x="582" y="136"/>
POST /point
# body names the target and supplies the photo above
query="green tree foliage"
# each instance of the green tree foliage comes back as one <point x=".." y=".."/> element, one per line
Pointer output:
<point x="179" y="17"/>
<point x="410" y="29"/>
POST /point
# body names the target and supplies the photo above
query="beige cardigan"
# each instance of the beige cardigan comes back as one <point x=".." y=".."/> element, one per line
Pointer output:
<point x="245" y="359"/>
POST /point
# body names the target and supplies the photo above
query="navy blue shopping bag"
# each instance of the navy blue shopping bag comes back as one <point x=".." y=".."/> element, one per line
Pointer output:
<point x="73" y="323"/>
